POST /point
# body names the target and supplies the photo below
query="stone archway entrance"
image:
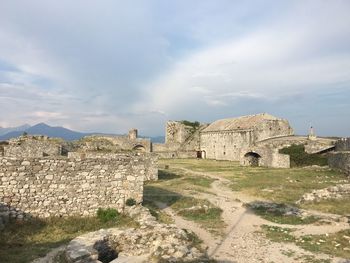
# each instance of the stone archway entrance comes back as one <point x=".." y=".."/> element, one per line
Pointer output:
<point x="201" y="154"/>
<point x="139" y="148"/>
<point x="252" y="159"/>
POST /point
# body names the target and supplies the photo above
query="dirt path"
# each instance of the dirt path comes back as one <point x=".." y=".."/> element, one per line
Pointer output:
<point x="242" y="241"/>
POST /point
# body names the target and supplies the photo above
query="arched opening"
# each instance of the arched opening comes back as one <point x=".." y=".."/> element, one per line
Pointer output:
<point x="204" y="155"/>
<point x="252" y="159"/>
<point x="139" y="148"/>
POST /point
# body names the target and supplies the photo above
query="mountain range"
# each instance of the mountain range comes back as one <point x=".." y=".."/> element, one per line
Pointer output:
<point x="51" y="131"/>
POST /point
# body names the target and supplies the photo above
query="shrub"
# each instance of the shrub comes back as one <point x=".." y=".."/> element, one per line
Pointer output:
<point x="194" y="124"/>
<point x="130" y="202"/>
<point x="298" y="156"/>
<point x="107" y="214"/>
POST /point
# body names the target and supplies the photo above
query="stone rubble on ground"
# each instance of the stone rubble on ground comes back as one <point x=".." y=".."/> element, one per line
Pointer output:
<point x="151" y="242"/>
<point x="333" y="192"/>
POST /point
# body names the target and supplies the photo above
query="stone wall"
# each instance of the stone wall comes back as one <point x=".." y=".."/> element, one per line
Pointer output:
<point x="225" y="145"/>
<point x="177" y="132"/>
<point x="272" y="128"/>
<point x="115" y="143"/>
<point x="46" y="187"/>
<point x="340" y="161"/>
<point x="265" y="156"/>
<point x="177" y="154"/>
<point x="149" y="160"/>
<point x="343" y="144"/>
<point x="33" y="146"/>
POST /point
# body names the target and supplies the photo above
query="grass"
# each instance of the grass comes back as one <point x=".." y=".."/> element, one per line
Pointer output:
<point x="337" y="244"/>
<point x="299" y="158"/>
<point x="200" y="211"/>
<point x="276" y="185"/>
<point x="334" y="206"/>
<point x="278" y="234"/>
<point x="26" y="241"/>
<point x="277" y="214"/>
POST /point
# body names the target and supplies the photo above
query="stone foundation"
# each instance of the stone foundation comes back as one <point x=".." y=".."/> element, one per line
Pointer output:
<point x="152" y="240"/>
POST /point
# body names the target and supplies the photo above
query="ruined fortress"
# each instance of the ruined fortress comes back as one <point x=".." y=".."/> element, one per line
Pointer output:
<point x="41" y="176"/>
<point x="251" y="140"/>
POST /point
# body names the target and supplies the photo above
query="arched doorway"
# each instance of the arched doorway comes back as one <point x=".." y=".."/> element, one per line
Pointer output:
<point x="204" y="155"/>
<point x="139" y="148"/>
<point x="252" y="159"/>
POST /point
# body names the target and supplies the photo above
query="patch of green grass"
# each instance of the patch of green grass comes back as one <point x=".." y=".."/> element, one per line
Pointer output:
<point x="299" y="158"/>
<point x="25" y="241"/>
<point x="108" y="214"/>
<point x="277" y="214"/>
<point x="334" y="206"/>
<point x="164" y="175"/>
<point x="337" y="244"/>
<point x="278" y="234"/>
<point x="312" y="259"/>
<point x="200" y="181"/>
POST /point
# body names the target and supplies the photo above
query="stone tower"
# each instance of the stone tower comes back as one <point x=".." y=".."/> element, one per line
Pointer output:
<point x="133" y="134"/>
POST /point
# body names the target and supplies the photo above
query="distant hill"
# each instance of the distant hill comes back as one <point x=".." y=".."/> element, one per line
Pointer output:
<point x="13" y="129"/>
<point x="158" y="139"/>
<point x="44" y="129"/>
<point x="60" y="132"/>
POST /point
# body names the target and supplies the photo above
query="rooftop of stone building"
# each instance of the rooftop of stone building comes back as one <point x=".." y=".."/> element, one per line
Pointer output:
<point x="239" y="123"/>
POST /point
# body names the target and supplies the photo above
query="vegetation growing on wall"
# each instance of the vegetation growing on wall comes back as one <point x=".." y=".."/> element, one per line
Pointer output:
<point x="299" y="158"/>
<point x="194" y="124"/>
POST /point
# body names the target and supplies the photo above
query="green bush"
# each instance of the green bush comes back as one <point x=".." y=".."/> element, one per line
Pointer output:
<point x="107" y="214"/>
<point x="299" y="158"/>
<point x="130" y="202"/>
<point x="194" y="124"/>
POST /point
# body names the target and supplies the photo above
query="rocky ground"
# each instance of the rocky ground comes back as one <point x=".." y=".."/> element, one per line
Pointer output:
<point x="243" y="240"/>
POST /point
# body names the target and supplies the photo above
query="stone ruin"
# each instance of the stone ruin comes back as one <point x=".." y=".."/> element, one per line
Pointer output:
<point x="340" y="159"/>
<point x="39" y="178"/>
<point x="151" y="242"/>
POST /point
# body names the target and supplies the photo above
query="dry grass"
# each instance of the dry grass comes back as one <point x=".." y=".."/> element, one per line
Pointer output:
<point x="25" y="241"/>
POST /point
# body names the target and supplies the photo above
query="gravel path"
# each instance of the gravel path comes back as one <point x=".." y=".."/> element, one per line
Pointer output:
<point x="242" y="241"/>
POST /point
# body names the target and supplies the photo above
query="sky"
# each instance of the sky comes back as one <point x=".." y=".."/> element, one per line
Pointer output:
<point x="110" y="65"/>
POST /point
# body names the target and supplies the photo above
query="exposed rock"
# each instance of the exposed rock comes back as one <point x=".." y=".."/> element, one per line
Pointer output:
<point x="333" y="192"/>
<point x="151" y="242"/>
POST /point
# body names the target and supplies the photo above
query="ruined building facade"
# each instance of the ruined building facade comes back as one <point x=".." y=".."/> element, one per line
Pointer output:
<point x="225" y="139"/>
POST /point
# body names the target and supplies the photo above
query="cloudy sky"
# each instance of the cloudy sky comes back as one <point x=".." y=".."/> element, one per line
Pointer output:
<point x="108" y="66"/>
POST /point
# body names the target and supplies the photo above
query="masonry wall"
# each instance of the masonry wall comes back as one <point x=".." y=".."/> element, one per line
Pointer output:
<point x="149" y="160"/>
<point x="225" y="145"/>
<point x="340" y="161"/>
<point x="343" y="145"/>
<point x="272" y="128"/>
<point x="114" y="143"/>
<point x="46" y="187"/>
<point x="32" y="146"/>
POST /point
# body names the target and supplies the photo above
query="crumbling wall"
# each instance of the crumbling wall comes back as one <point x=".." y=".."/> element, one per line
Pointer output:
<point x="343" y="145"/>
<point x="114" y="143"/>
<point x="340" y="161"/>
<point x="33" y="146"/>
<point x="46" y="187"/>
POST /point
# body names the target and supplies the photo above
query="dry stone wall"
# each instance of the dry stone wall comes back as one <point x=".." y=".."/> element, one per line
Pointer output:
<point x="62" y="186"/>
<point x="32" y="146"/>
<point x="149" y="160"/>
